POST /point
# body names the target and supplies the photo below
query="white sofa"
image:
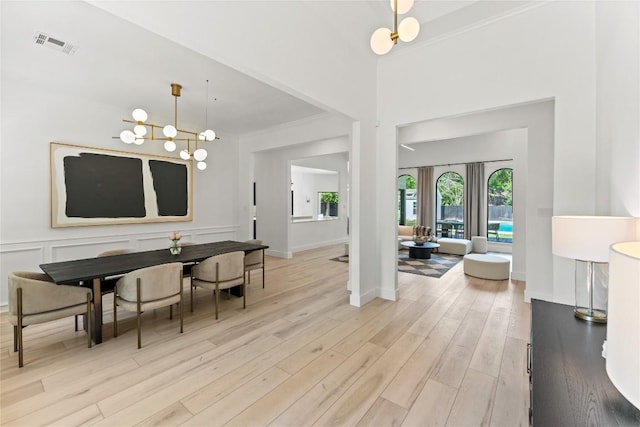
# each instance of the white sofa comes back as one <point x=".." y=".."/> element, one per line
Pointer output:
<point x="453" y="246"/>
<point x="405" y="233"/>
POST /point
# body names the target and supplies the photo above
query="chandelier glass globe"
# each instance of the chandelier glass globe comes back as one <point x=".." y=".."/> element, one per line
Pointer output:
<point x="170" y="146"/>
<point x="381" y="42"/>
<point x="200" y="154"/>
<point x="408" y="29"/>
<point x="169" y="131"/>
<point x="403" y="6"/>
<point x="139" y="115"/>
<point x="127" y="137"/>
<point x="140" y="130"/>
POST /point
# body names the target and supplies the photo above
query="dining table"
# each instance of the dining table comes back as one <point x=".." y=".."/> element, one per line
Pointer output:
<point x="90" y="272"/>
<point x="456" y="227"/>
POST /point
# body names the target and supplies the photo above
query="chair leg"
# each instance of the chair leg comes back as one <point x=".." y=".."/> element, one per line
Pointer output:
<point x="115" y="312"/>
<point x="191" y="291"/>
<point x="217" y="289"/>
<point x="244" y="294"/>
<point x="263" y="276"/>
<point x="20" y="345"/>
<point x="15" y="338"/>
<point x="88" y="318"/>
<point x="138" y="312"/>
<point x="76" y="319"/>
<point x="217" y="300"/>
<point x="181" y="307"/>
<point x="171" y="312"/>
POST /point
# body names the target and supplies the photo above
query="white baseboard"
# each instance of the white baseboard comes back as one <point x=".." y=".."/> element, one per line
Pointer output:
<point x="316" y="245"/>
<point x="278" y="254"/>
<point x="360" y="300"/>
<point x="519" y="275"/>
<point x="389" y="294"/>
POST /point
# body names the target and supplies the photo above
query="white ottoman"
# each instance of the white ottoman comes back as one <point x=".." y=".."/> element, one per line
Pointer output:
<point x="479" y="244"/>
<point x="449" y="245"/>
<point x="486" y="266"/>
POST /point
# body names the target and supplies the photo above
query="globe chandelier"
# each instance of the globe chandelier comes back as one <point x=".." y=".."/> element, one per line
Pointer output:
<point x="383" y="39"/>
<point x="170" y="133"/>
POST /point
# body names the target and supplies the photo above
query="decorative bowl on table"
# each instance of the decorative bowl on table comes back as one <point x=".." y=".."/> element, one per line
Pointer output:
<point x="419" y="240"/>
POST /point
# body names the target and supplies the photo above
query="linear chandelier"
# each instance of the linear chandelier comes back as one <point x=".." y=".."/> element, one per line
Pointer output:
<point x="170" y="133"/>
<point x="383" y="39"/>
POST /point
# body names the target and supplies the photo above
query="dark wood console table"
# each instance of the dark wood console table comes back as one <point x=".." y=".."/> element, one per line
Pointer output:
<point x="90" y="270"/>
<point x="569" y="383"/>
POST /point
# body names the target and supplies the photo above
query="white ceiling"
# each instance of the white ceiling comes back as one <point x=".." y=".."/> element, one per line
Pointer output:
<point x="139" y="74"/>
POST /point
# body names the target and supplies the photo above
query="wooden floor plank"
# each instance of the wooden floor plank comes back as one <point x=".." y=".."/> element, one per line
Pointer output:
<point x="233" y="404"/>
<point x="383" y="413"/>
<point x="355" y="402"/>
<point x="512" y="393"/>
<point x="409" y="382"/>
<point x="474" y="400"/>
<point x="306" y="410"/>
<point x="432" y="406"/>
<point x="270" y="406"/>
<point x="449" y="350"/>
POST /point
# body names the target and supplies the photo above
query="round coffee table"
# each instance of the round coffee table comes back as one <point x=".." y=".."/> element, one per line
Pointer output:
<point x="422" y="251"/>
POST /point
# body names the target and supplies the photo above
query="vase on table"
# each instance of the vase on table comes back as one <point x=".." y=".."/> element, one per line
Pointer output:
<point x="175" y="247"/>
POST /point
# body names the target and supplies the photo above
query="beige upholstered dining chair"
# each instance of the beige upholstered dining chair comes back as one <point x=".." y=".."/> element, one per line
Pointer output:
<point x="107" y="283"/>
<point x="147" y="289"/>
<point x="220" y="272"/>
<point x="254" y="260"/>
<point x="33" y="299"/>
<point x="113" y="252"/>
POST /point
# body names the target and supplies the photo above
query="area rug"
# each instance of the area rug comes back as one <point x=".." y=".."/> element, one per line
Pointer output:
<point x="434" y="267"/>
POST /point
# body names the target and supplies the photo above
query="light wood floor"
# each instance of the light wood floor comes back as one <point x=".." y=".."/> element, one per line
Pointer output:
<point x="450" y="351"/>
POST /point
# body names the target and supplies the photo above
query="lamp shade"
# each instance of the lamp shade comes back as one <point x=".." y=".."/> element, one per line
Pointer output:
<point x="587" y="238"/>
<point x="623" y="329"/>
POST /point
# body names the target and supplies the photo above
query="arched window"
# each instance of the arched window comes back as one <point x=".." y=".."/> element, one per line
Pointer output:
<point x="500" y="206"/>
<point x="407" y="208"/>
<point x="450" y="205"/>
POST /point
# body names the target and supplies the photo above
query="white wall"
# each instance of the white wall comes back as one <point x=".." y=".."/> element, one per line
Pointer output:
<point x="550" y="52"/>
<point x="314" y="234"/>
<point x="546" y="52"/>
<point x="618" y="108"/>
<point x="35" y="114"/>
<point x="290" y="45"/>
<point x="304" y="187"/>
<point x="273" y="182"/>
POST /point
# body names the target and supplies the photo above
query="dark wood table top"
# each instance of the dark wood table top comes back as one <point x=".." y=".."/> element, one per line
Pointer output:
<point x="570" y="383"/>
<point x="91" y="268"/>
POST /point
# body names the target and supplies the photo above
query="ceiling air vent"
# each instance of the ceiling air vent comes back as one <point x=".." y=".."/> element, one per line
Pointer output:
<point x="43" y="39"/>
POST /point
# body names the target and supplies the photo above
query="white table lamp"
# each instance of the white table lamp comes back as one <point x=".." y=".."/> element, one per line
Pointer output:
<point x="586" y="239"/>
<point x="623" y="327"/>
